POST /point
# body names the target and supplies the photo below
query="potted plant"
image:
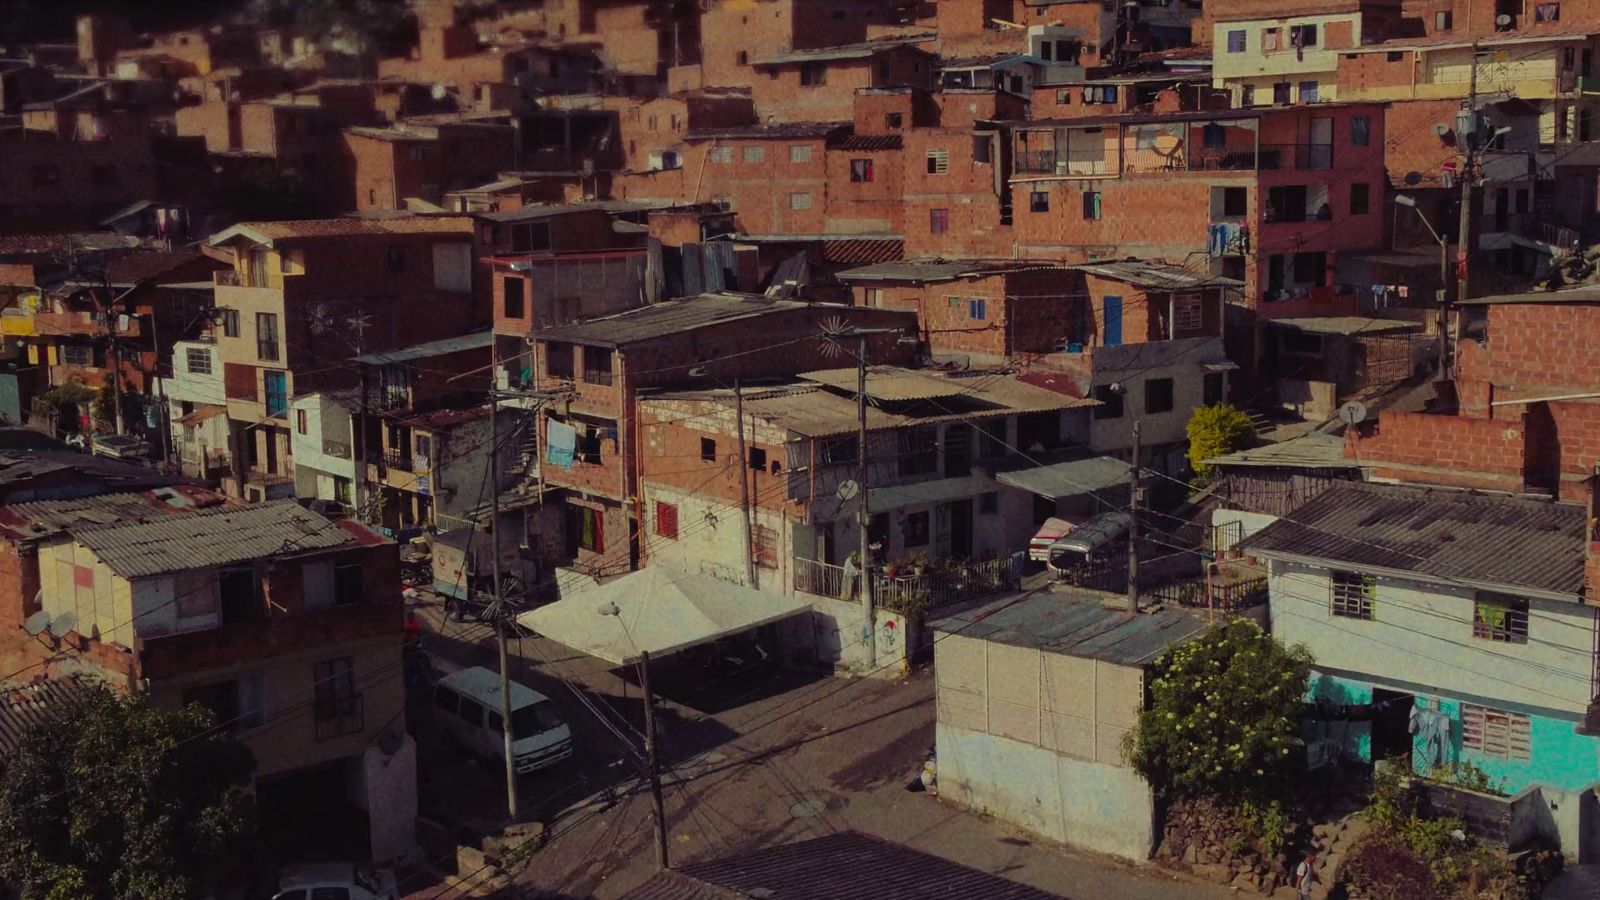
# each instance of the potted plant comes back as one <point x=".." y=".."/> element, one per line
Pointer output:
<point x="918" y="562"/>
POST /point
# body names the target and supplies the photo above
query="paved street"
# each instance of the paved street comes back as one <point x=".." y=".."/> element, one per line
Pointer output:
<point x="752" y="768"/>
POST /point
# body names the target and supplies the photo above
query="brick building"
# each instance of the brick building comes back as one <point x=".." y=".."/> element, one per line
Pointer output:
<point x="589" y="436"/>
<point x="390" y="166"/>
<point x="767" y="28"/>
<point x="1290" y="52"/>
<point x="819" y="85"/>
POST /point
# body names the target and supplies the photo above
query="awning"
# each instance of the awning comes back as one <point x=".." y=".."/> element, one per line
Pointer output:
<point x="1069" y="479"/>
<point x="926" y="492"/>
<point x="201" y="414"/>
<point x="660" y="610"/>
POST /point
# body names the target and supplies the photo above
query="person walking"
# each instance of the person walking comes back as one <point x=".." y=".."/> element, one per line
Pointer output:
<point x="1305" y="875"/>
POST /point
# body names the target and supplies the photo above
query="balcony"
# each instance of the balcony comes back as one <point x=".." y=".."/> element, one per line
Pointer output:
<point x="904" y="592"/>
<point x="339" y="716"/>
<point x="1297" y="156"/>
<point x="86" y="324"/>
<point x="1058" y="162"/>
<point x="396" y="460"/>
<point x="228" y="278"/>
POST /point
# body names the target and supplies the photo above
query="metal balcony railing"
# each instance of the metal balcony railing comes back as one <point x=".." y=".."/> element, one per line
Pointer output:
<point x="339" y="716"/>
<point x="1297" y="156"/>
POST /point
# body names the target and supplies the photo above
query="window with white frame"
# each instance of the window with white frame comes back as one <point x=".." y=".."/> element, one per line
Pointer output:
<point x="1187" y="312"/>
<point x="1496" y="732"/>
<point x="77" y="355"/>
<point x="722" y="154"/>
<point x="754" y="153"/>
<point x="799" y="153"/>
<point x="938" y="162"/>
<point x="800" y="200"/>
<point x="1352" y="594"/>
<point x="197" y="360"/>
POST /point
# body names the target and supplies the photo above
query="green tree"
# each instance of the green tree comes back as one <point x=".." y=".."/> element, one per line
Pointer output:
<point x="1223" y="716"/>
<point x="120" y="799"/>
<point x="1214" y="431"/>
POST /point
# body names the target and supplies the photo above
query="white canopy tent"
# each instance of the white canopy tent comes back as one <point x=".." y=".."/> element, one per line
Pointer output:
<point x="658" y="610"/>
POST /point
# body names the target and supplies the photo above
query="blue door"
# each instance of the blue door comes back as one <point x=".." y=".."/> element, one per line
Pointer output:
<point x="277" y="393"/>
<point x="1113" y="330"/>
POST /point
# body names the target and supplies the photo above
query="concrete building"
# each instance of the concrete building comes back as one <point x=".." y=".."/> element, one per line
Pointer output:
<point x="1289" y="52"/>
<point x="283" y="623"/>
<point x="1486" y="626"/>
<point x="1034" y="698"/>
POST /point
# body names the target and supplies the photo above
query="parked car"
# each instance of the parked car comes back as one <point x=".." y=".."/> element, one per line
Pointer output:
<point x="119" y="447"/>
<point x="466" y="706"/>
<point x="1048" y="533"/>
<point x="1089" y="544"/>
<point x="335" y="881"/>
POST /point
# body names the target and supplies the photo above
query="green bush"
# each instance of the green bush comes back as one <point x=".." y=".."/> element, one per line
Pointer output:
<point x="1215" y="431"/>
<point x="1223" y="716"/>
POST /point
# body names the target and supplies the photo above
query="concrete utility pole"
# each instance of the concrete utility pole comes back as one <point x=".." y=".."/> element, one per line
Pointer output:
<point x="499" y="589"/>
<point x="1133" y="525"/>
<point x="869" y="612"/>
<point x="1467" y="140"/>
<point x="652" y="760"/>
<point x="744" y="490"/>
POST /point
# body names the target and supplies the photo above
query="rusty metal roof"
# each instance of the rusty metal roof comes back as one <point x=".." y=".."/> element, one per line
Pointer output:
<point x="215" y="537"/>
<point x="1070" y="624"/>
<point x="1436" y="533"/>
<point x="25" y="708"/>
<point x="845" y="866"/>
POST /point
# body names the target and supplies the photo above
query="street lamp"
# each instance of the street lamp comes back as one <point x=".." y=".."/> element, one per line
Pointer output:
<point x="1409" y="201"/>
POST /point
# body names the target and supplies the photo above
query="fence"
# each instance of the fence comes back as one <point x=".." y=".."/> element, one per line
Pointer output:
<point x="1221" y="595"/>
<point x="908" y="592"/>
<point x="820" y="578"/>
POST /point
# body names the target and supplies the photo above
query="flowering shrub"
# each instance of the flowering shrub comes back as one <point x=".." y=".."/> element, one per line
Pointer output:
<point x="1223" y="716"/>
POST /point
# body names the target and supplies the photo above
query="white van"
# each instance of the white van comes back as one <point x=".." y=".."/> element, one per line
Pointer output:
<point x="335" y="881"/>
<point x="466" y="705"/>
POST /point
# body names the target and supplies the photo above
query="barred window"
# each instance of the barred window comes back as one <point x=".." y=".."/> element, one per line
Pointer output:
<point x="1495" y="732"/>
<point x="1496" y="617"/>
<point x="667" y="519"/>
<point x="766" y="546"/>
<point x="197" y="360"/>
<point x="1353" y="594"/>
<point x="1187" y="312"/>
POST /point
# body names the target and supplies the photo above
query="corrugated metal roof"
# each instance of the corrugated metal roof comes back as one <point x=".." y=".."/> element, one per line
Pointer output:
<point x="669" y="317"/>
<point x="866" y="142"/>
<point x="215" y="537"/>
<point x="855" y="251"/>
<point x="1060" y="622"/>
<point x="779" y="131"/>
<point x="27" y="707"/>
<point x="890" y="383"/>
<point x="1345" y="325"/>
<point x="1587" y="294"/>
<point x="533" y="212"/>
<point x="1157" y="276"/>
<point x="1450" y="535"/>
<point x="862" y="50"/>
<point x="1308" y="451"/>
<point x="844" y="866"/>
<point x="346" y="226"/>
<point x="922" y="271"/>
<point x="1068" y="478"/>
<point x="477" y="341"/>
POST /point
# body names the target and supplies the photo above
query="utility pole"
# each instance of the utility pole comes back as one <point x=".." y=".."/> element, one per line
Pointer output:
<point x="499" y="592"/>
<point x="744" y="490"/>
<point x="116" y="383"/>
<point x="1467" y="138"/>
<point x="360" y="447"/>
<point x="652" y="760"/>
<point x="1133" y="526"/>
<point x="868" y="611"/>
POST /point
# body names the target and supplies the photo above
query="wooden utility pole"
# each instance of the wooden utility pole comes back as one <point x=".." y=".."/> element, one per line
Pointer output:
<point x="1467" y="138"/>
<point x="1133" y="525"/>
<point x="869" y="613"/>
<point x="744" y="490"/>
<point x="498" y="604"/>
<point x="652" y="759"/>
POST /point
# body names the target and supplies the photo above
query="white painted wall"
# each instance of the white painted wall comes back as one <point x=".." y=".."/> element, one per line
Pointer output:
<point x="711" y="537"/>
<point x="1250" y="522"/>
<point x="1421" y="634"/>
<point x="1133" y="365"/>
<point x="1284" y="64"/>
<point x="1035" y="738"/>
<point x="195" y="385"/>
<point x="325" y="421"/>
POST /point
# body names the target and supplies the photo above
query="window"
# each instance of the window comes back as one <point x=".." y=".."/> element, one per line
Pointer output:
<point x="872" y="297"/>
<point x="301" y="420"/>
<point x="397" y="259"/>
<point x="558" y="360"/>
<point x="1158" y="395"/>
<point x="335" y="689"/>
<point x="813" y="74"/>
<point x="419" y="154"/>
<point x="513" y="304"/>
<point x="267" y="336"/>
<point x="977" y="309"/>
<point x="723" y="154"/>
<point x="1496" y="617"/>
<point x="1352" y="594"/>
<point x="754" y="153"/>
<point x="597" y="365"/>
<point x="800" y="200"/>
<point x="764" y="546"/>
<point x="77" y="355"/>
<point x="1524" y="200"/>
<point x="892" y="121"/>
<point x="1308" y="92"/>
<point x="1091" y="205"/>
<point x="1247" y="95"/>
<point x="989" y="503"/>
<point x="197" y="596"/>
<point x="938" y="221"/>
<point x="1236" y="41"/>
<point x="1110" y="402"/>
<point x="860" y="170"/>
<point x="587" y="528"/>
<point x="667" y="520"/>
<point x="757" y="458"/>
<point x="1443" y="20"/>
<point x="938" y="162"/>
<point x="915" y="529"/>
<point x="1235" y="201"/>
<point x="799" y="153"/>
<point x="982" y="149"/>
<point x="1188" y="312"/>
<point x="276" y="386"/>
<point x="918" y="450"/>
<point x="1302" y="35"/>
<point x="1063" y="96"/>
<point x="1495" y="732"/>
<point x="1269" y="39"/>
<point x="1213" y="388"/>
<point x="840" y="450"/>
<point x="1038" y="201"/>
<point x="1391" y="56"/>
<point x="1214" y="136"/>
<point x="1360" y="199"/>
<point x="742" y="57"/>
<point x="197" y="360"/>
<point x="708" y="449"/>
<point x="1360" y="131"/>
<point x="230" y="323"/>
<point x="1281" y="93"/>
<point x="1547" y="12"/>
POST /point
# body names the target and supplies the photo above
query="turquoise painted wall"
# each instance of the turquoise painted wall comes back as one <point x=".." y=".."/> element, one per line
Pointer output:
<point x="1559" y="756"/>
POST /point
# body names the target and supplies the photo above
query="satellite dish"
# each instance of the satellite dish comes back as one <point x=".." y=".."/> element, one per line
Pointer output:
<point x="1353" y="413"/>
<point x="1502" y="19"/>
<point x="1413" y="179"/>
<point x="64" y="623"/>
<point x="848" y="489"/>
<point x="37" y="624"/>
<point x="440" y="92"/>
